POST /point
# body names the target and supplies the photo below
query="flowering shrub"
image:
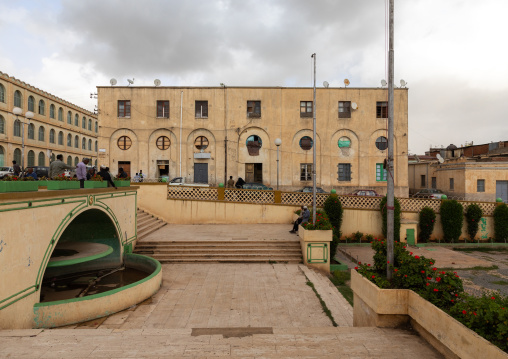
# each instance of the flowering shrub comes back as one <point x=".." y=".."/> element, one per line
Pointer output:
<point x="358" y="236"/>
<point x="63" y="177"/>
<point x="16" y="178"/>
<point x="426" y="224"/>
<point x="322" y="222"/>
<point x="452" y="216"/>
<point x="501" y="222"/>
<point x="96" y="178"/>
<point x="396" y="217"/>
<point x="473" y="215"/>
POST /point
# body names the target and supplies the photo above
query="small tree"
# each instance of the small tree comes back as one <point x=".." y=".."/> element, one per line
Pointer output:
<point x="452" y="217"/>
<point x="501" y="222"/>
<point x="426" y="221"/>
<point x="396" y="218"/>
<point x="473" y="215"/>
<point x="334" y="211"/>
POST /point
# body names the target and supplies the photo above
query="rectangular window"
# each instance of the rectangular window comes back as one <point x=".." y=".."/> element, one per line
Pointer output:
<point x="124" y="108"/>
<point x="381" y="109"/>
<point x="306" y="109"/>
<point x="163" y="109"/>
<point x="434" y="182"/>
<point x="380" y="173"/>
<point x="201" y="109"/>
<point x="254" y="109"/>
<point x="423" y="184"/>
<point x="452" y="184"/>
<point x="344" y="109"/>
<point x="480" y="185"/>
<point x="344" y="172"/>
<point x="305" y="171"/>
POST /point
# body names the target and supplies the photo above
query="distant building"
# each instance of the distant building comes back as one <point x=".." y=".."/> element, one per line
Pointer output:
<point x="207" y="134"/>
<point x="58" y="127"/>
<point x="473" y="172"/>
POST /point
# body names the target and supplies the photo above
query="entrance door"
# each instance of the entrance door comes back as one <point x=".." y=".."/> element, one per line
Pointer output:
<point x="410" y="236"/>
<point x="254" y="172"/>
<point x="502" y="190"/>
<point x="163" y="168"/>
<point x="200" y="172"/>
<point x="126" y="165"/>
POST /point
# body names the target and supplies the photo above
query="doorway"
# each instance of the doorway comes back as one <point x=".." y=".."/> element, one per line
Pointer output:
<point x="200" y="172"/>
<point x="254" y="172"/>
<point x="502" y="190"/>
<point x="126" y="165"/>
<point x="162" y="168"/>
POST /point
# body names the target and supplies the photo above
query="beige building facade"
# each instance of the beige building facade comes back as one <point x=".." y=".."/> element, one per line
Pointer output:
<point x="57" y="127"/>
<point x="206" y="134"/>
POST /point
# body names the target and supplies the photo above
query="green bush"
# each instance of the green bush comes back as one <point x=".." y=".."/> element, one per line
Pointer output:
<point x="396" y="218"/>
<point x="473" y="216"/>
<point x="452" y="217"/>
<point x="322" y="222"/>
<point x="334" y="211"/>
<point x="426" y="222"/>
<point x="358" y="236"/>
<point x="501" y="222"/>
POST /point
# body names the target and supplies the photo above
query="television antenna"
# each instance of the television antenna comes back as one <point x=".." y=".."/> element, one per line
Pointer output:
<point x="346" y="82"/>
<point x="157" y="82"/>
<point x="112" y="82"/>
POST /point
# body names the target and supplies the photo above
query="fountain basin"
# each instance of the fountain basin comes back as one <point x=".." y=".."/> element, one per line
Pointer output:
<point x="76" y="310"/>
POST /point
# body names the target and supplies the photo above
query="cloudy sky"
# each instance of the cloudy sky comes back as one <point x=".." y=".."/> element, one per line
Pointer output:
<point x="452" y="54"/>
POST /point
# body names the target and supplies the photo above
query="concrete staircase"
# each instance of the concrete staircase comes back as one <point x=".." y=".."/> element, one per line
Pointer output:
<point x="147" y="224"/>
<point x="222" y="251"/>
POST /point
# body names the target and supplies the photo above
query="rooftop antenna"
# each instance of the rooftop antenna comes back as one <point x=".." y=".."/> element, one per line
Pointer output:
<point x="346" y="82"/>
<point x="439" y="158"/>
<point x="403" y="83"/>
<point x="157" y="82"/>
<point x="383" y="82"/>
<point x="131" y="82"/>
<point x="112" y="82"/>
<point x="326" y="84"/>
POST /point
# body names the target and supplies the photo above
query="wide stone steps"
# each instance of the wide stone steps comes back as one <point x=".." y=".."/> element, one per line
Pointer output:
<point x="146" y="224"/>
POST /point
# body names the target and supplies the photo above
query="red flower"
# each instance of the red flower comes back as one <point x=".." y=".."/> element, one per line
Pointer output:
<point x="359" y="262"/>
<point x="493" y="298"/>
<point x="388" y="262"/>
<point x="373" y="276"/>
<point x="474" y="313"/>
<point x="438" y="279"/>
<point x="404" y="247"/>
<point x="356" y="268"/>
<point x="411" y="253"/>
<point x="416" y="257"/>
<point x="436" y="290"/>
<point x="395" y="270"/>
<point x="456" y="295"/>
<point x="405" y="275"/>
<point x="431" y="263"/>
<point x="423" y="271"/>
<point x="429" y="278"/>
<point x="427" y="284"/>
<point x="368" y="265"/>
<point x="464" y="312"/>
<point x="453" y="301"/>
<point x="434" y="268"/>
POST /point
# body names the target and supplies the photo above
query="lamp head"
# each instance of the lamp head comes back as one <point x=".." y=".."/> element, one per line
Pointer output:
<point x="17" y="111"/>
<point x="278" y="142"/>
<point x="29" y="115"/>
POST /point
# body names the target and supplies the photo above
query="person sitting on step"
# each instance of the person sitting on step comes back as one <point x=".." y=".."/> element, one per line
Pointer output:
<point x="304" y="218"/>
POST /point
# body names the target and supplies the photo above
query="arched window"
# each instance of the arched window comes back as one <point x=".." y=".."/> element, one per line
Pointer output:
<point x="96" y="146"/>
<point x="254" y="143"/>
<point x="201" y="143"/>
<point x="83" y="122"/>
<point x="69" y="161"/>
<point x="83" y="144"/>
<point x="52" y="111"/>
<point x="60" y="138"/>
<point x="124" y="143"/>
<point x="42" y="107"/>
<point x="76" y="161"/>
<point x="163" y="143"/>
<point x="2" y="156"/>
<point x="344" y="142"/>
<point x="41" y="133"/>
<point x="52" y="136"/>
<point x="96" y="127"/>
<point x="89" y="145"/>
<point x="17" y="128"/>
<point x="17" y="156"/>
<point x="31" y="131"/>
<point x="60" y="114"/>
<point x="69" y="140"/>
<point x="69" y="118"/>
<point x="42" y="160"/>
<point x="2" y="94"/>
<point x="30" y="159"/>
<point x="76" y="142"/>
<point x="76" y="120"/>
<point x="18" y="99"/>
<point x="89" y="125"/>
<point x="381" y="143"/>
<point x="306" y="143"/>
<point x="2" y="124"/>
<point x="31" y="103"/>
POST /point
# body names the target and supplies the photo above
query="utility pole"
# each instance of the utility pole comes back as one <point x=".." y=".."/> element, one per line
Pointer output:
<point x="390" y="202"/>
<point x="314" y="147"/>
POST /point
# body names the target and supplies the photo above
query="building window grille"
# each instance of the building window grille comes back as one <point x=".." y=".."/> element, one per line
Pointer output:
<point x="381" y="109"/>
<point x="422" y="181"/>
<point x="18" y="99"/>
<point x="201" y="109"/>
<point x="42" y="108"/>
<point x="163" y="143"/>
<point x="305" y="171"/>
<point x="124" y="143"/>
<point x="163" y="109"/>
<point x="380" y="173"/>
<point x="41" y="133"/>
<point x="382" y="143"/>
<point x="201" y="143"/>
<point x="124" y="108"/>
<point x="306" y="109"/>
<point x="52" y="111"/>
<point x="31" y="103"/>
<point x="452" y="184"/>
<point x="254" y="109"/>
<point x="434" y="182"/>
<point x="480" y="185"/>
<point x="344" y="172"/>
<point x="344" y="109"/>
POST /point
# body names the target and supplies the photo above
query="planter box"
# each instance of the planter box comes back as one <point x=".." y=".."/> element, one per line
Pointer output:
<point x="119" y="183"/>
<point x="18" y="186"/>
<point x="95" y="184"/>
<point x="54" y="185"/>
<point x="315" y="246"/>
<point x="390" y="308"/>
<point x="42" y="183"/>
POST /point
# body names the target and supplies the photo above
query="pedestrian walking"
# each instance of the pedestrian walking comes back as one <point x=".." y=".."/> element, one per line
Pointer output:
<point x="81" y="172"/>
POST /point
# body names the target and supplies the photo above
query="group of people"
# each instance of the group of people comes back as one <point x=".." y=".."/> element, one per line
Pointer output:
<point x="139" y="176"/>
<point x="231" y="182"/>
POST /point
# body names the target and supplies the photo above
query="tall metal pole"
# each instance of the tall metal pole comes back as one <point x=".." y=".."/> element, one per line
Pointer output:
<point x="390" y="185"/>
<point x="277" y="167"/>
<point x="22" y="148"/>
<point x="314" y="148"/>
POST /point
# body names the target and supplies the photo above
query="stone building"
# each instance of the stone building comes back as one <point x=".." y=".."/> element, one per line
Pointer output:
<point x="57" y="127"/>
<point x="206" y="134"/>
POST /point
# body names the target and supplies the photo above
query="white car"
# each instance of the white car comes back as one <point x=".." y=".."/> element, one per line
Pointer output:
<point x="6" y="171"/>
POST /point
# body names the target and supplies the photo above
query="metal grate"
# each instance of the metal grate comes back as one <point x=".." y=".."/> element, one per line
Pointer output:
<point x="181" y="192"/>
<point x="248" y="196"/>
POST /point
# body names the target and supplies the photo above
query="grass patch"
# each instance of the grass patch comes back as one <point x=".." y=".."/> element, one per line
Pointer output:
<point x="500" y="282"/>
<point x="470" y="268"/>
<point x="480" y="249"/>
<point x="323" y="304"/>
<point x="339" y="279"/>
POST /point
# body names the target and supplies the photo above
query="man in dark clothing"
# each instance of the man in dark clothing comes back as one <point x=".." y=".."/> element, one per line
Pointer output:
<point x="240" y="182"/>
<point x="304" y="218"/>
<point x="122" y="173"/>
<point x="30" y="173"/>
<point x="231" y="182"/>
<point x="106" y="176"/>
<point x="16" y="168"/>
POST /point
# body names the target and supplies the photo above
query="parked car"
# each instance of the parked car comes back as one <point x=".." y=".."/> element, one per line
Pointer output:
<point x="308" y="189"/>
<point x="365" y="192"/>
<point x="256" y="186"/>
<point x="180" y="181"/>
<point x="41" y="171"/>
<point x="429" y="193"/>
<point x="6" y="171"/>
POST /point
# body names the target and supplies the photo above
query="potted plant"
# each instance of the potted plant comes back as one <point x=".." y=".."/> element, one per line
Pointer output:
<point x="18" y="184"/>
<point x="42" y="182"/>
<point x="96" y="182"/>
<point x="315" y="241"/>
<point x="122" y="182"/>
<point x="63" y="182"/>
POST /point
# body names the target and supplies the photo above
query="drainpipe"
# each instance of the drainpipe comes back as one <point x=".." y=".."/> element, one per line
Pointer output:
<point x="181" y="124"/>
<point x="226" y="136"/>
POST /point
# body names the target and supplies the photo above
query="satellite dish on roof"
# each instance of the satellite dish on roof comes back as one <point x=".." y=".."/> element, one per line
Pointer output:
<point x="439" y="158"/>
<point x="157" y="82"/>
<point x="131" y="82"/>
<point x="112" y="82"/>
<point x="383" y="82"/>
<point x="326" y="84"/>
<point x="346" y="82"/>
<point x="354" y="106"/>
<point x="403" y="83"/>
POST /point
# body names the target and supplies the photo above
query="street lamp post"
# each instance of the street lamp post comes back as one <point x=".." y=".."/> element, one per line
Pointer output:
<point x="278" y="142"/>
<point x="29" y="114"/>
